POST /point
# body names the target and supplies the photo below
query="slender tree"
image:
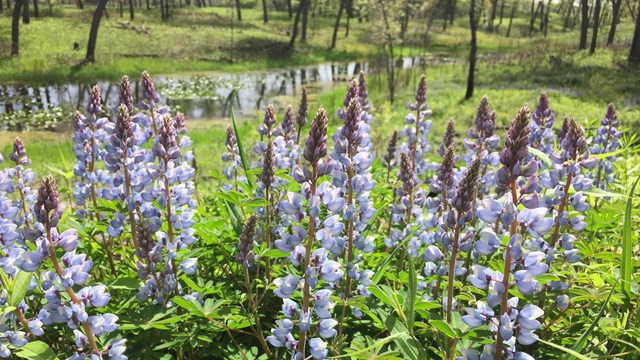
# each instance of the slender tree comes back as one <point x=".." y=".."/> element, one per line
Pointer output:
<point x="337" y="24"/>
<point x="294" y="32"/>
<point x="473" y="25"/>
<point x="25" y="12"/>
<point x="305" y="15"/>
<point x="93" y="33"/>
<point x="15" y="28"/>
<point x="265" y="16"/>
<point x="492" y="17"/>
<point x="614" y="21"/>
<point x="596" y="25"/>
<point x="634" y="53"/>
<point x="513" y="12"/>
<point x="131" y="11"/>
<point x="289" y="8"/>
<point x="239" y="11"/>
<point x="36" y="9"/>
<point x="584" y="28"/>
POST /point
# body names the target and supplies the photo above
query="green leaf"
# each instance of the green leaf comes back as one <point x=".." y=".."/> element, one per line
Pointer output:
<point x="577" y="347"/>
<point x="376" y="345"/>
<point x="569" y="352"/>
<point x="443" y="327"/>
<point x="243" y="155"/>
<point x="124" y="283"/>
<point x="410" y="301"/>
<point x="35" y="350"/>
<point x="20" y="287"/>
<point x="542" y="156"/>
<point x="626" y="267"/>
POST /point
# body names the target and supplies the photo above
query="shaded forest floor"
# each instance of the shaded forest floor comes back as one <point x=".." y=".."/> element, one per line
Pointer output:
<point x="197" y="40"/>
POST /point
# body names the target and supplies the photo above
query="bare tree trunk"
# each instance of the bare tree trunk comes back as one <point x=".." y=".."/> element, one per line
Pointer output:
<point x="501" y="12"/>
<point x="596" y="25"/>
<point x="567" y="18"/>
<point x="513" y="12"/>
<point x="614" y="21"/>
<point x="337" y="24"/>
<point x="452" y="13"/>
<point x="131" y="10"/>
<point x="584" y="28"/>
<point x="15" y="28"/>
<point x="473" y="24"/>
<point x="25" y="12"/>
<point x="265" y="17"/>
<point x="534" y="16"/>
<point x="93" y="33"/>
<point x="546" y="18"/>
<point x="492" y="17"/>
<point x="121" y="8"/>
<point x="166" y="9"/>
<point x="288" y="8"/>
<point x="294" y="32"/>
<point x="80" y="4"/>
<point x="405" y="20"/>
<point x="542" y="12"/>
<point x="305" y="15"/>
<point x="634" y="53"/>
<point x="239" y="11"/>
<point x="36" y="9"/>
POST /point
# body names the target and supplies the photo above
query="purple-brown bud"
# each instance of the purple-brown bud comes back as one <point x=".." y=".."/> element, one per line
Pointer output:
<point x="268" y="166"/>
<point x="316" y="145"/>
<point x="47" y="208"/>
<point x="231" y="140"/>
<point x="125" y="97"/>
<point x="389" y="158"/>
<point x="19" y="154"/>
<point x="149" y="95"/>
<point x="449" y="137"/>
<point x="303" y="110"/>
<point x="352" y="92"/>
<point x="405" y="176"/>
<point x="485" y="120"/>
<point x="95" y="100"/>
<point x="245" y="255"/>
<point x="289" y="124"/>
<point x="421" y="92"/>
<point x="180" y="123"/>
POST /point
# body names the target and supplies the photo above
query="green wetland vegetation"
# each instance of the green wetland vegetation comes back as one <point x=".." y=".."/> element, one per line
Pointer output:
<point x="252" y="191"/>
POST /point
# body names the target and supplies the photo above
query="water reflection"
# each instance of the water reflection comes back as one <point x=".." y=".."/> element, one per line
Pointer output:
<point x="202" y="97"/>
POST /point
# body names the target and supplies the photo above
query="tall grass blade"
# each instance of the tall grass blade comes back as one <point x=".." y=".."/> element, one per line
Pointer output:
<point x="577" y="347"/>
<point x="627" y="243"/>
<point x="243" y="155"/>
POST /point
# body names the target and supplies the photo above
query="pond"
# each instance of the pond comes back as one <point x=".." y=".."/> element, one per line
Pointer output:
<point x="199" y="97"/>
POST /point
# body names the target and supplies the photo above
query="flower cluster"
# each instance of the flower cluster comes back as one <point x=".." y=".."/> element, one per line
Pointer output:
<point x="62" y="304"/>
<point x="151" y="183"/>
<point x="607" y="140"/>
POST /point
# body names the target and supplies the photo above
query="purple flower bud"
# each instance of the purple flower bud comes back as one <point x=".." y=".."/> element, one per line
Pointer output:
<point x="448" y="138"/>
<point x="405" y="176"/>
<point x="125" y="97"/>
<point x="389" y="158"/>
<point x="466" y="192"/>
<point x="352" y="93"/>
<point x="47" y="208"/>
<point x="303" y="110"/>
<point x="149" y="95"/>
<point x="19" y="154"/>
<point x="316" y="145"/>
<point x="289" y="124"/>
<point x="95" y="100"/>
<point x="421" y="92"/>
<point x="485" y="120"/>
<point x="245" y="245"/>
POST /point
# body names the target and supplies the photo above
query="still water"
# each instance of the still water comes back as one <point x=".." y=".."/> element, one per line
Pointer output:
<point x="206" y="96"/>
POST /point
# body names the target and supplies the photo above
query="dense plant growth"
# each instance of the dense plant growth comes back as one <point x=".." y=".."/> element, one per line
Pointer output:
<point x="484" y="245"/>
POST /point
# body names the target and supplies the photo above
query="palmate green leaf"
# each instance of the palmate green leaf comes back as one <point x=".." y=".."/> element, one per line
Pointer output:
<point x="626" y="267"/>
<point x="377" y="344"/>
<point x="35" y="350"/>
<point x="191" y="305"/>
<point x="577" y="347"/>
<point x="20" y="286"/>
